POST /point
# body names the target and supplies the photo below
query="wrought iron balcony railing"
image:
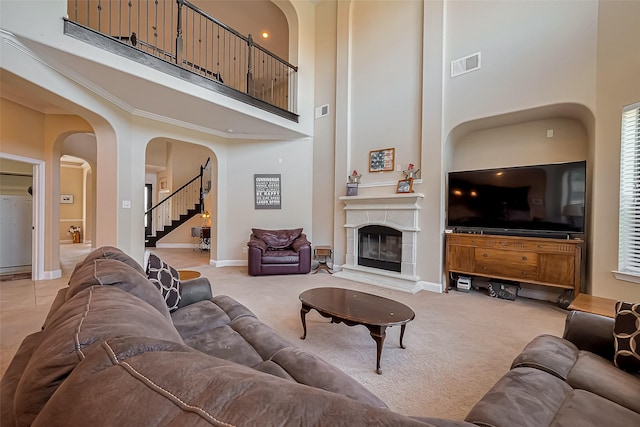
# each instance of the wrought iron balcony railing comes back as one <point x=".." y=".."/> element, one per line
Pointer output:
<point x="179" y="32"/>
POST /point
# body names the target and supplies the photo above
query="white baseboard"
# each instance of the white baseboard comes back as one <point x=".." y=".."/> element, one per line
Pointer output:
<point x="51" y="274"/>
<point x="175" y="245"/>
<point x="432" y="287"/>
<point x="229" y="263"/>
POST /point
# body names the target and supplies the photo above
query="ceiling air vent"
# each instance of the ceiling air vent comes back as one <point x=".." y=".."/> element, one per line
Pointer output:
<point x="466" y="64"/>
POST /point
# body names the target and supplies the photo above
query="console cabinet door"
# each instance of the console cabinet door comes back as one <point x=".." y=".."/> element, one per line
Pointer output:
<point x="557" y="268"/>
<point x="460" y="258"/>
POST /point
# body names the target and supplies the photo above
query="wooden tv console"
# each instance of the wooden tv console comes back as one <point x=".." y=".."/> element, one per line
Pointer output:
<point x="541" y="261"/>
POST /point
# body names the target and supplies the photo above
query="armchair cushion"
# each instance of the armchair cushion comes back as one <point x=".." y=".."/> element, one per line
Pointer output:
<point x="277" y="239"/>
<point x="626" y="332"/>
<point x="254" y="242"/>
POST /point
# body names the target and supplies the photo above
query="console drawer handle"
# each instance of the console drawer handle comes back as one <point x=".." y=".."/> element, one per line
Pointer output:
<point x="485" y="255"/>
<point x="524" y="258"/>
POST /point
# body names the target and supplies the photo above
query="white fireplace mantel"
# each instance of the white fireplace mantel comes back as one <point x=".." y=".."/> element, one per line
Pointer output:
<point x="398" y="211"/>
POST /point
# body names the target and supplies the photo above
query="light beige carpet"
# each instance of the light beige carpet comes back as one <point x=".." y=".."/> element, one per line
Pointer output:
<point x="458" y="346"/>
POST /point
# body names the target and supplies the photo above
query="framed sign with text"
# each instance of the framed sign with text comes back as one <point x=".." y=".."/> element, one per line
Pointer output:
<point x="267" y="191"/>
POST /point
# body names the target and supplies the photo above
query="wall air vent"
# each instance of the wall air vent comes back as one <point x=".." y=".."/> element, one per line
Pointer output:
<point x="466" y="64"/>
<point x="322" y="111"/>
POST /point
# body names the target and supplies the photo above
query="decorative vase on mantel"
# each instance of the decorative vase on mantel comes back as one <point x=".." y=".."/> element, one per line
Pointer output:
<point x="411" y="172"/>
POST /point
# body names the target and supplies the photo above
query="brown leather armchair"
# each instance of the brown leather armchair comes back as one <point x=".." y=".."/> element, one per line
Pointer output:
<point x="278" y="252"/>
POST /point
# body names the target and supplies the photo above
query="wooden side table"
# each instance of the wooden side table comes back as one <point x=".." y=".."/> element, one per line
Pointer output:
<point x="595" y="305"/>
<point x="322" y="254"/>
<point x="188" y="274"/>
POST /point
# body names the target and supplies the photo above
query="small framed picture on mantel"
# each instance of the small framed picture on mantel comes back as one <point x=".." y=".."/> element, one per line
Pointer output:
<point x="405" y="186"/>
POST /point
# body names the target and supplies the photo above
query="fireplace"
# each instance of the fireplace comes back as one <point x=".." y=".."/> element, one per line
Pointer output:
<point x="382" y="241"/>
<point x="380" y="247"/>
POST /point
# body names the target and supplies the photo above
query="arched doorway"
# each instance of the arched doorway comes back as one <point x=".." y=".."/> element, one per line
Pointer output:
<point x="170" y="167"/>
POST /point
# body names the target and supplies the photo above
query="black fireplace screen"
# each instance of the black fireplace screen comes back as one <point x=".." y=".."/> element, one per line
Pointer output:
<point x="380" y="247"/>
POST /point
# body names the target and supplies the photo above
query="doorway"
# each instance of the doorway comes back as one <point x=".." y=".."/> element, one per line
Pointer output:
<point x="22" y="216"/>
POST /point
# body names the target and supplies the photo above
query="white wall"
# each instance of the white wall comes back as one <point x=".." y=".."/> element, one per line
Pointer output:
<point x="522" y="144"/>
<point x="290" y="159"/>
<point x="617" y="86"/>
<point x="534" y="53"/>
<point x="385" y="83"/>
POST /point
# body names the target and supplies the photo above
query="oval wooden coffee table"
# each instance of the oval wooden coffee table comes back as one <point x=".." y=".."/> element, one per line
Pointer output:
<point x="357" y="308"/>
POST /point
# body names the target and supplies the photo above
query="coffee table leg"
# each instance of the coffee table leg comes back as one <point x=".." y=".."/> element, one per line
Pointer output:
<point x="402" y="335"/>
<point x="303" y="315"/>
<point x="378" y="334"/>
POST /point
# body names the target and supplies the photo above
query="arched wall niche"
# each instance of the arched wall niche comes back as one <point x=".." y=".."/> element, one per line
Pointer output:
<point x="521" y="138"/>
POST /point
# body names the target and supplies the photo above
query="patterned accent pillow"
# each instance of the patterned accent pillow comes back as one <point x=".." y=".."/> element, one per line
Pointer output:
<point x="166" y="279"/>
<point x="626" y="334"/>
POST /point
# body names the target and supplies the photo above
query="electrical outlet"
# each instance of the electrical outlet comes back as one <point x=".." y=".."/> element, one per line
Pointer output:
<point x="245" y="249"/>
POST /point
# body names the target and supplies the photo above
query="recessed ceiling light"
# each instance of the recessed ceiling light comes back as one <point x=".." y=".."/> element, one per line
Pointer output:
<point x="265" y="35"/>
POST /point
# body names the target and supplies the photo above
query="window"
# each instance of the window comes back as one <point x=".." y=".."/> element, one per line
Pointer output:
<point x="629" y="233"/>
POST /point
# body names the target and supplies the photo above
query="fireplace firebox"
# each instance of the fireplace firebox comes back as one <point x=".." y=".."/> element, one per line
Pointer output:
<point x="380" y="247"/>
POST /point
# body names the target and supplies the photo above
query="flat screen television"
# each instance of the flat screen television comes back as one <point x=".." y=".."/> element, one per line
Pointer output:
<point x="547" y="198"/>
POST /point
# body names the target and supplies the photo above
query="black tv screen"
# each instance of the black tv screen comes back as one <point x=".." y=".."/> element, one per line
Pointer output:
<point x="545" y="198"/>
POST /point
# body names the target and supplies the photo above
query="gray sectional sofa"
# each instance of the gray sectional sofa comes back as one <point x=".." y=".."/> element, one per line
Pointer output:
<point x="569" y="381"/>
<point x="110" y="353"/>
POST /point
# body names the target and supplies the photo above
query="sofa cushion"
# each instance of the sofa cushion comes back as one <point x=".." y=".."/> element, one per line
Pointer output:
<point x="138" y="381"/>
<point x="599" y="376"/>
<point x="277" y="239"/>
<point x="584" y="409"/>
<point x="111" y="272"/>
<point x="91" y="315"/>
<point x="166" y="279"/>
<point x="232" y="332"/>
<point x="12" y="375"/>
<point x="550" y="354"/>
<point x="626" y="333"/>
<point x="110" y="252"/>
<point x="524" y="397"/>
<point x="280" y="256"/>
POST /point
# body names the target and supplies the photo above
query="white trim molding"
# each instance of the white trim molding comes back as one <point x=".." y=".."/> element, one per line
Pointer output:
<point x="627" y="277"/>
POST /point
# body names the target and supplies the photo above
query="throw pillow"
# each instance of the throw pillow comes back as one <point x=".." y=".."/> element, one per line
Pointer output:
<point x="626" y="334"/>
<point x="166" y="279"/>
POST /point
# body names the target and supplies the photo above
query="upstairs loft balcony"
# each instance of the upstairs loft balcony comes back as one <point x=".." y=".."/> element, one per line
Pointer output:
<point x="174" y="36"/>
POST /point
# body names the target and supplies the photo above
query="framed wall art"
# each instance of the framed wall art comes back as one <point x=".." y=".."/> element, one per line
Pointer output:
<point x="267" y="191"/>
<point x="381" y="160"/>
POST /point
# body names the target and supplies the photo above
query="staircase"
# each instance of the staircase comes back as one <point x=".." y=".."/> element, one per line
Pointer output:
<point x="176" y="209"/>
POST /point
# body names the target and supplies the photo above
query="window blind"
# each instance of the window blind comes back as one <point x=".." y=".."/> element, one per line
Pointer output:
<point x="629" y="234"/>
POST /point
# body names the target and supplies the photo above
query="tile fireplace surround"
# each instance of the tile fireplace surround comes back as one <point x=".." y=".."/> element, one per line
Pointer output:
<point x="398" y="211"/>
